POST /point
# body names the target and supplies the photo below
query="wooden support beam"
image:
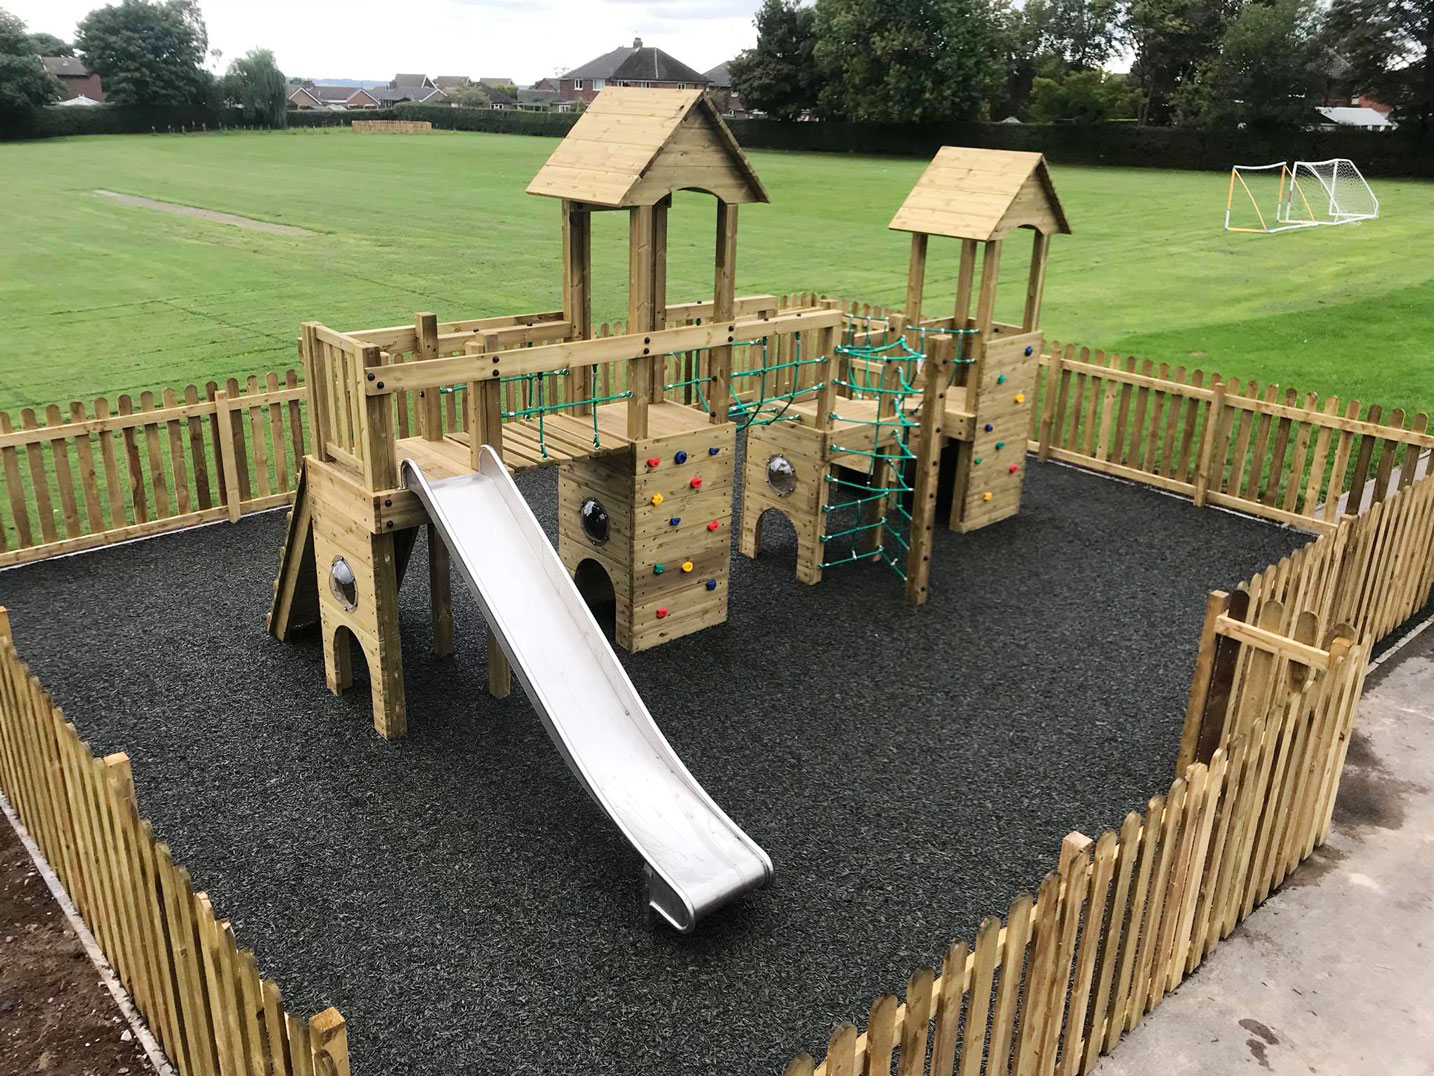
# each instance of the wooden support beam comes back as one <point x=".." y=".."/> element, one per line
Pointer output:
<point x="928" y="468"/>
<point x="916" y="277"/>
<point x="1216" y="605"/>
<point x="440" y="586"/>
<point x="724" y="290"/>
<point x="425" y="331"/>
<point x="639" y="316"/>
<point x="1273" y="642"/>
<point x="657" y="286"/>
<point x="1036" y="282"/>
<point x="965" y="280"/>
<point x="577" y="293"/>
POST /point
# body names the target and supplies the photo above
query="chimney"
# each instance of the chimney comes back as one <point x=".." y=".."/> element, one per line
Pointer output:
<point x="637" y="42"/>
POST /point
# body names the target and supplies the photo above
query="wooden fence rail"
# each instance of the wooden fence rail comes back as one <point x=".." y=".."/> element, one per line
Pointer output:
<point x="200" y="994"/>
<point x="1270" y="451"/>
<point x="78" y="479"/>
<point x="1125" y="918"/>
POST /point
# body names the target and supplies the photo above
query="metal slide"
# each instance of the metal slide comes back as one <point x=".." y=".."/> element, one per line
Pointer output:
<point x="697" y="857"/>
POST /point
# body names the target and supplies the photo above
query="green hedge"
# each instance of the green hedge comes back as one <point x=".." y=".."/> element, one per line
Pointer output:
<point x="57" y="122"/>
<point x="1394" y="153"/>
<point x="495" y="121"/>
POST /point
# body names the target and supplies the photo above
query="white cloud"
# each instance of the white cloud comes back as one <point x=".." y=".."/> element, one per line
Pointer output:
<point x="373" y="39"/>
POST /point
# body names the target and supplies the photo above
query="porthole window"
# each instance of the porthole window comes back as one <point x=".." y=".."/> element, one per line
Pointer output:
<point x="343" y="584"/>
<point x="593" y="517"/>
<point x="781" y="475"/>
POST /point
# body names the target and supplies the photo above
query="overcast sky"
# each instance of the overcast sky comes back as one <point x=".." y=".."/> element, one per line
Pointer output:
<point x="373" y="39"/>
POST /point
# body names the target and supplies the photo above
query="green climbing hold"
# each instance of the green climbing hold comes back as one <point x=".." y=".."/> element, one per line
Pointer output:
<point x="1000" y="445"/>
<point x="1001" y="380"/>
<point x="658" y="569"/>
<point x="978" y="459"/>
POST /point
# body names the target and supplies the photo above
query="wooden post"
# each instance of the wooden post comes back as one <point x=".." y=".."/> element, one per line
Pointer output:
<point x="485" y="424"/>
<point x="639" y="316"/>
<point x="1036" y="282"/>
<point x="380" y="463"/>
<point x="577" y="295"/>
<point x="724" y="290"/>
<point x="1207" y="443"/>
<point x="329" y="1038"/>
<point x="425" y="328"/>
<point x="440" y="586"/>
<point x="916" y="278"/>
<point x="985" y="310"/>
<point x="1216" y="605"/>
<point x="965" y="279"/>
<point x="1049" y="392"/>
<point x="928" y="466"/>
<point x="657" y="287"/>
<point x="316" y="377"/>
<point x="227" y="460"/>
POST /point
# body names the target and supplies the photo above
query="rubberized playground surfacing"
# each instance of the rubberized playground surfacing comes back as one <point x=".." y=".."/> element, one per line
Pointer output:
<point x="465" y="906"/>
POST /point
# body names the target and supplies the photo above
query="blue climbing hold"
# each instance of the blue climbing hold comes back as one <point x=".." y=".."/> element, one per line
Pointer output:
<point x="713" y="451"/>
<point x="989" y="427"/>
<point x="681" y="457"/>
<point x="1029" y="350"/>
<point x="674" y="521"/>
<point x="711" y="584"/>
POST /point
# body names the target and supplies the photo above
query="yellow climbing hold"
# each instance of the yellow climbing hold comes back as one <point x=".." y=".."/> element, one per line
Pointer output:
<point x="1020" y="397"/>
<point x="986" y="496"/>
<point x="657" y="498"/>
<point x="686" y="565"/>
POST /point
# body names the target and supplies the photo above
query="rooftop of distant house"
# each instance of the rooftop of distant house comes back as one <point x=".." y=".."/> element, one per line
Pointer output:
<point x="638" y="63"/>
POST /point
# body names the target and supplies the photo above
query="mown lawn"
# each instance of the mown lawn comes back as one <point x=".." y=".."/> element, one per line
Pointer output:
<point x="98" y="297"/>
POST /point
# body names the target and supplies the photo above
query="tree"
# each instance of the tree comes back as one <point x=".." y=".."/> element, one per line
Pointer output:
<point x="1084" y="97"/>
<point x="1387" y="45"/>
<point x="1171" y="39"/>
<point x="920" y="61"/>
<point x="1266" y="74"/>
<point x="779" y="77"/>
<point x="256" y="85"/>
<point x="1049" y="39"/>
<point x="149" y="52"/>
<point x="24" y="83"/>
<point x="49" y="45"/>
<point x="470" y="95"/>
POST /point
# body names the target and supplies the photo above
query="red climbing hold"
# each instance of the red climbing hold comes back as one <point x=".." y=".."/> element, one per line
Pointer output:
<point x="713" y="525"/>
<point x="662" y="612"/>
<point x="1014" y="468"/>
<point x="653" y="461"/>
<point x="696" y="483"/>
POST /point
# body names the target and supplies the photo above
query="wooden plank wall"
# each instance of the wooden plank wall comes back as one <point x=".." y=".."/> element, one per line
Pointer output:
<point x="77" y="477"/>
<point x="200" y="994"/>
<point x="1271" y="451"/>
<point x="1126" y="917"/>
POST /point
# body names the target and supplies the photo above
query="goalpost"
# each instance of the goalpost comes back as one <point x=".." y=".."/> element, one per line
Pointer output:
<point x="1267" y="198"/>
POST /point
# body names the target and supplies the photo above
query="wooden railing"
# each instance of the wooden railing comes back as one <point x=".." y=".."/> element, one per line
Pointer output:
<point x="1270" y="451"/>
<point x="201" y="996"/>
<point x="76" y="479"/>
<point x="1125" y="918"/>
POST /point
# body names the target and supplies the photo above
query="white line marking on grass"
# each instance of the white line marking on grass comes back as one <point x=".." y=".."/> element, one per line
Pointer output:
<point x="248" y="223"/>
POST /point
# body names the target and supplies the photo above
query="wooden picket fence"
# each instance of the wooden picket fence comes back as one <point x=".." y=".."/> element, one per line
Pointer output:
<point x="1270" y="451"/>
<point x="79" y="480"/>
<point x="1125" y="918"/>
<point x="201" y="996"/>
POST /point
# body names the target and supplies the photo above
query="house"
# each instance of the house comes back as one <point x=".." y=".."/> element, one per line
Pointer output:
<point x="545" y="84"/>
<point x="534" y="99"/>
<point x="1355" y="116"/>
<point x="75" y="78"/>
<point x="719" y="89"/>
<point x="419" y="89"/>
<point x="636" y="66"/>
<point x="310" y="96"/>
<point x="450" y="82"/>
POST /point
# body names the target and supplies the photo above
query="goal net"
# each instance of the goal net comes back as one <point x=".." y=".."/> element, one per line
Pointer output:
<point x="1329" y="192"/>
<point x="1276" y="197"/>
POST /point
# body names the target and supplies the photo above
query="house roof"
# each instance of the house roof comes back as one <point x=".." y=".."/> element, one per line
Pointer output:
<point x="81" y="102"/>
<point x="334" y="93"/>
<point x="307" y="93"/>
<point x="444" y="82"/>
<point x="1352" y="116"/>
<point x="638" y="64"/>
<point x="982" y="194"/>
<point x="410" y="80"/>
<point x="393" y="94"/>
<point x="65" y="66"/>
<point x="720" y="76"/>
<point x="635" y="146"/>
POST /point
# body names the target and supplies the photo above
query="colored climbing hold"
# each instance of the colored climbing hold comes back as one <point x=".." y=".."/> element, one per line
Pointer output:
<point x="1020" y="397"/>
<point x="674" y="521"/>
<point x="1001" y="380"/>
<point x="986" y="496"/>
<point x="1030" y="350"/>
<point x="686" y="565"/>
<point x="989" y="427"/>
<point x="711" y="584"/>
<point x="658" y="569"/>
<point x="1000" y="445"/>
<point x="662" y="612"/>
<point x="1014" y="468"/>
<point x="713" y="525"/>
<point x="657" y="498"/>
<point x="713" y="451"/>
<point x="653" y="461"/>
<point x="696" y="483"/>
<point x="681" y="457"/>
<point x="978" y="459"/>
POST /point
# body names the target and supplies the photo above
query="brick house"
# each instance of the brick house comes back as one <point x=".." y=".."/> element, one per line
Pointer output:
<point x="310" y="96"/>
<point x="636" y="66"/>
<point x="75" y="78"/>
<point x="721" y="93"/>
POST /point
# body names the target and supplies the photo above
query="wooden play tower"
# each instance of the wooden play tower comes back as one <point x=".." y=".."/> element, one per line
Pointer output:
<point x="645" y="479"/>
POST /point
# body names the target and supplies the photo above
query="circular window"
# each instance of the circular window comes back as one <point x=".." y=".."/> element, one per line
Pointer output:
<point x="781" y="475"/>
<point x="594" y="520"/>
<point x="343" y="584"/>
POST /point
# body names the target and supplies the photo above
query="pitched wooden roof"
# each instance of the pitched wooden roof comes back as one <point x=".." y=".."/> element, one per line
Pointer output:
<point x="634" y="146"/>
<point x="982" y="194"/>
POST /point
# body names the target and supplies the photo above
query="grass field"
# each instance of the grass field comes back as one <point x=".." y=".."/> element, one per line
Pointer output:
<point x="98" y="297"/>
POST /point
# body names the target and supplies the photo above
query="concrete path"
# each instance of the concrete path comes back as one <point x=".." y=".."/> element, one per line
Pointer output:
<point x="1333" y="975"/>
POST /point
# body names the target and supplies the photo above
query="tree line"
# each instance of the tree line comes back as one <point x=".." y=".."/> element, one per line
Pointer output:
<point x="148" y="53"/>
<point x="1211" y="63"/>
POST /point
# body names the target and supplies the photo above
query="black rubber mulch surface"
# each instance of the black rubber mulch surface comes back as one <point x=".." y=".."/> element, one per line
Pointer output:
<point x="468" y="909"/>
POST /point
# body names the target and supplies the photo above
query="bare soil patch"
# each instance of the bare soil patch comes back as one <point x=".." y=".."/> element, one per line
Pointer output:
<point x="56" y="1018"/>
<point x="248" y="223"/>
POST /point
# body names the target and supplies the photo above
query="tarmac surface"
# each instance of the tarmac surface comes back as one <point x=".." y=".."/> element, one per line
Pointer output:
<point x="468" y="909"/>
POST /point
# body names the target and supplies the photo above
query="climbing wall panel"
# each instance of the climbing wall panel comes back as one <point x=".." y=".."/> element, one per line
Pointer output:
<point x="991" y="467"/>
<point x="801" y="497"/>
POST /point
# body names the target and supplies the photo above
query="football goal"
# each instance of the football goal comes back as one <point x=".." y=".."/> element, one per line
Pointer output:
<point x="1277" y="197"/>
